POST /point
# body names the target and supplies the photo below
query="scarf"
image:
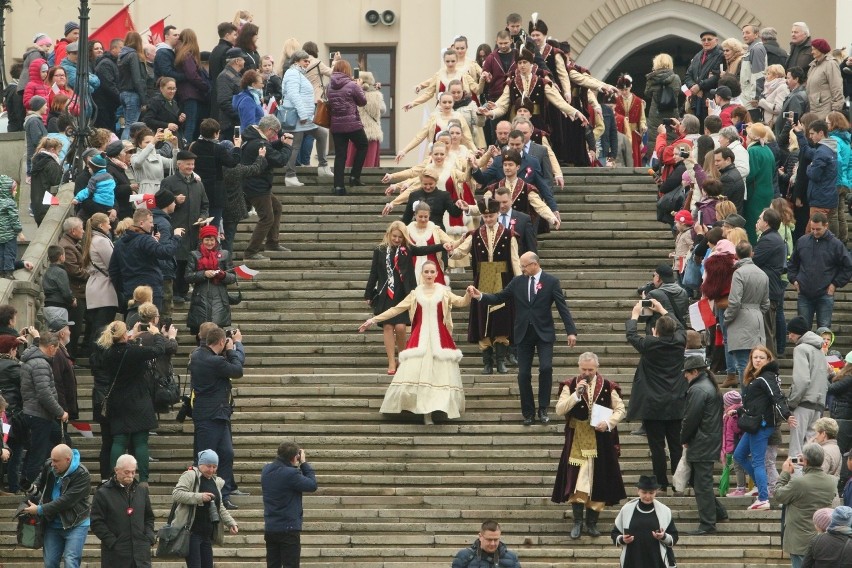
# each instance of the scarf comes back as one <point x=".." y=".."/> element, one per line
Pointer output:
<point x="52" y="155"/>
<point x="257" y="94"/>
<point x="390" y="263"/>
<point x="210" y="261"/>
<point x="118" y="163"/>
<point x="770" y="86"/>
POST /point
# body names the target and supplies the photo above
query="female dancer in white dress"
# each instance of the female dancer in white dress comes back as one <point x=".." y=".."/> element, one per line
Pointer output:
<point x="437" y="84"/>
<point x="439" y="121"/>
<point x="428" y="378"/>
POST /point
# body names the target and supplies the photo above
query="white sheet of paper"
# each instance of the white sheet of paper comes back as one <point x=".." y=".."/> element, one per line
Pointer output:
<point x="599" y="414"/>
<point x="695" y="317"/>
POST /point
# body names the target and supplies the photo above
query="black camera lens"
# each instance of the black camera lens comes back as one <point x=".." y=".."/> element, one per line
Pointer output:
<point x="214" y="512"/>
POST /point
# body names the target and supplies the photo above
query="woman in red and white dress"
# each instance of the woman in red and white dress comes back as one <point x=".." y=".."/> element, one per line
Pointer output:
<point x="428" y="378"/>
<point x="632" y="110"/>
<point x="438" y="83"/>
<point x="439" y="121"/>
<point x="422" y="232"/>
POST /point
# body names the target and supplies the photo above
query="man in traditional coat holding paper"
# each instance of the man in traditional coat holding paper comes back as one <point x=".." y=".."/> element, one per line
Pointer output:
<point x="589" y="476"/>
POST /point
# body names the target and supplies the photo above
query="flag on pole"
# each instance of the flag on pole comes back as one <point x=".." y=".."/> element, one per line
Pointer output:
<point x="271" y="107"/>
<point x="157" y="32"/>
<point x="84" y="428"/>
<point x="49" y="199"/>
<point x="245" y="272"/>
<point x="115" y="27"/>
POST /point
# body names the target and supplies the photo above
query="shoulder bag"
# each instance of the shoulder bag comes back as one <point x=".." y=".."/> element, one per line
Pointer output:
<point x="105" y="402"/>
<point x="749" y="423"/>
<point x="30" y="530"/>
<point x="322" y="115"/>
<point x="668" y="98"/>
<point x="173" y="541"/>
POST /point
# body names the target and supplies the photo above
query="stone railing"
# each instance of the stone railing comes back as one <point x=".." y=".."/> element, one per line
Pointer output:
<point x="25" y="291"/>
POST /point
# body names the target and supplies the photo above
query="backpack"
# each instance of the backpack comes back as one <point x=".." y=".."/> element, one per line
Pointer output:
<point x="668" y="99"/>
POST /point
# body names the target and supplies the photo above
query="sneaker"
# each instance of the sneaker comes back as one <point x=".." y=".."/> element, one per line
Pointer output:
<point x="738" y="492"/>
<point x="292" y="181"/>
<point x="753" y="492"/>
<point x="324" y="171"/>
<point x="759" y="506"/>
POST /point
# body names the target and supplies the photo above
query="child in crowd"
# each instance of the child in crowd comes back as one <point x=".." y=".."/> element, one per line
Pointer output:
<point x="99" y="195"/>
<point x="731" y="435"/>
<point x="10" y="226"/>
<point x="822" y="518"/>
<point x="58" y="298"/>
<point x="833" y="367"/>
<point x="694" y="345"/>
<point x="683" y="244"/>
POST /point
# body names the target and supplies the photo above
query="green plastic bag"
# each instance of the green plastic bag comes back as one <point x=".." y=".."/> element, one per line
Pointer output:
<point x="725" y="479"/>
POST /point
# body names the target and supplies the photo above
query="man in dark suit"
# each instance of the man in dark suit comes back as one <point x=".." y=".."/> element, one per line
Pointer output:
<point x="520" y="223"/>
<point x="539" y="152"/>
<point x="533" y="293"/>
<point x="702" y="75"/>
<point x="439" y="201"/>
<point x="530" y="171"/>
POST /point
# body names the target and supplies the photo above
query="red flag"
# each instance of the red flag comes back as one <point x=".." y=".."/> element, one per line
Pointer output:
<point x="84" y="428"/>
<point x="115" y="27"/>
<point x="158" y="32"/>
<point x="245" y="272"/>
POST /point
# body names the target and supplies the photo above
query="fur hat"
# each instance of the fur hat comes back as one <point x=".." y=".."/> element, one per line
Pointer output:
<point x="208" y="231"/>
<point x="71" y="26"/>
<point x="537" y="25"/>
<point x="525" y="55"/>
<point x="624" y="81"/>
<point x="822" y="518"/>
<point x="487" y="204"/>
<point x="732" y="397"/>
<point x="164" y="198"/>
<point x="798" y="325"/>
<point x="37" y="103"/>
<point x="821" y="44"/>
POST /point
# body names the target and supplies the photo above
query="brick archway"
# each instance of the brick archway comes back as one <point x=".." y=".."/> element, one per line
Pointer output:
<point x="619" y="27"/>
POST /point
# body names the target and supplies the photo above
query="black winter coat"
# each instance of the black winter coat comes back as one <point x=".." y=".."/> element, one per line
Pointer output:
<point x="134" y="263"/>
<point x="277" y="156"/>
<point x="211" y="158"/>
<point x="227" y="85"/>
<point x="10" y="383"/>
<point x="770" y="255"/>
<point x="107" y="97"/>
<point x="659" y="389"/>
<point x="125" y="539"/>
<point x="159" y="112"/>
<point x="763" y="396"/>
<point x="46" y="173"/>
<point x="195" y="207"/>
<point x="122" y="189"/>
<point x="702" y="420"/>
<point x="209" y="300"/>
<point x="733" y="186"/>
<point x="130" y="407"/>
<point x="841" y="390"/>
<point x="217" y="65"/>
<point x="73" y="504"/>
<point x="829" y="550"/>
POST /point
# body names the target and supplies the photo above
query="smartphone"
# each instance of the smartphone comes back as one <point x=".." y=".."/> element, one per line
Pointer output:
<point x="165" y="323"/>
<point x="356" y="72"/>
<point x="646" y="303"/>
<point x="236" y="132"/>
<point x="330" y="57"/>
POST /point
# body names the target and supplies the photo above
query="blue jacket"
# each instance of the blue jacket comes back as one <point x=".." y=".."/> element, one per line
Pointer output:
<point x="816" y="263"/>
<point x="282" y="485"/>
<point x="101" y="189"/>
<point x="474" y="557"/>
<point x="822" y="172"/>
<point x="135" y="262"/>
<point x="164" y="63"/>
<point x="71" y="72"/>
<point x="163" y="223"/>
<point x="210" y="376"/>
<point x="299" y="94"/>
<point x="247" y="107"/>
<point x="844" y="156"/>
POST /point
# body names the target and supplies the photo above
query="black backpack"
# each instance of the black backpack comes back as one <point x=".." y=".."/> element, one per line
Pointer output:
<point x="668" y="98"/>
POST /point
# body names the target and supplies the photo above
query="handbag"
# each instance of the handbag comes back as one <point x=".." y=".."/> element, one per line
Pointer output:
<point x="725" y="479"/>
<point x="234" y="298"/>
<point x="668" y="98"/>
<point x="692" y="273"/>
<point x="749" y="423"/>
<point x="166" y="389"/>
<point x="30" y="530"/>
<point x="172" y="541"/>
<point x="322" y="114"/>
<point x="105" y="402"/>
<point x="682" y="474"/>
<point x="288" y="117"/>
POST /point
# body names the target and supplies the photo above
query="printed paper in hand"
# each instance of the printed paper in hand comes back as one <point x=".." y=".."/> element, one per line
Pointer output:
<point x="599" y="414"/>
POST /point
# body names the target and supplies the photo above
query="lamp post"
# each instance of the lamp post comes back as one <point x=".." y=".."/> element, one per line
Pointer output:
<point x="5" y="6"/>
<point x="82" y="128"/>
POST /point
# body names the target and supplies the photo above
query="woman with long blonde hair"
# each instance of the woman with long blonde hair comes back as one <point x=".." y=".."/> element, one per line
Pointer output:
<point x="101" y="297"/>
<point x="194" y="90"/>
<point x="390" y="281"/>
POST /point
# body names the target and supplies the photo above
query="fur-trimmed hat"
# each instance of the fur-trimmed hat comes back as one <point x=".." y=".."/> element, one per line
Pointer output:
<point x="487" y="204"/>
<point x="525" y="54"/>
<point x="537" y="25"/>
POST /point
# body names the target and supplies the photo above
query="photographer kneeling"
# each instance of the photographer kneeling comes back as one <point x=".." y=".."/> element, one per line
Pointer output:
<point x="211" y="368"/>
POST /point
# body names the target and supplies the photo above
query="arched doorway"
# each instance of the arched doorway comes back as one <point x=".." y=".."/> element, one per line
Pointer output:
<point x="638" y="63"/>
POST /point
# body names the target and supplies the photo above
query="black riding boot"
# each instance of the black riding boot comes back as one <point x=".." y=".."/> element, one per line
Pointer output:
<point x="577" y="509"/>
<point x="488" y="361"/>
<point x="592" y="523"/>
<point x="501" y="352"/>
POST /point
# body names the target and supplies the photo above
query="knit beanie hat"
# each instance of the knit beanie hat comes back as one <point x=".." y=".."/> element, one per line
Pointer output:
<point x="42" y="39"/>
<point x="71" y="26"/>
<point x="164" y="198"/>
<point x="822" y="518"/>
<point x="37" y="103"/>
<point x="842" y="517"/>
<point x="798" y="325"/>
<point x="821" y="45"/>
<point x="208" y="457"/>
<point x="99" y="161"/>
<point x="208" y="231"/>
<point x="732" y="397"/>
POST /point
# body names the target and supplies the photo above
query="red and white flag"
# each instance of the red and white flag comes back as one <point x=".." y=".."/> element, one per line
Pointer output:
<point x="49" y="199"/>
<point x="157" y="32"/>
<point x="245" y="272"/>
<point x="115" y="27"/>
<point x="271" y="107"/>
<point x="84" y="428"/>
<point x="143" y="200"/>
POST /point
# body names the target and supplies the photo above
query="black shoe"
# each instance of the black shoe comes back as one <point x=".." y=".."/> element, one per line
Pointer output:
<point x="543" y="417"/>
<point x="355" y="182"/>
<point x="700" y="531"/>
<point x="577" y="509"/>
<point x="512" y="359"/>
<point x="228" y="505"/>
<point x="528" y="420"/>
<point x="500" y="355"/>
<point x="239" y="493"/>
<point x="338" y="191"/>
<point x="278" y="248"/>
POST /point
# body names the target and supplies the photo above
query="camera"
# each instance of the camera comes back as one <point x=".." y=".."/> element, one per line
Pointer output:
<point x="791" y="116"/>
<point x="229" y="333"/>
<point x="356" y="73"/>
<point x="684" y="154"/>
<point x="794" y="461"/>
<point x="214" y="512"/>
<point x="156" y="229"/>
<point x="646" y="303"/>
<point x="185" y="409"/>
<point x="646" y="289"/>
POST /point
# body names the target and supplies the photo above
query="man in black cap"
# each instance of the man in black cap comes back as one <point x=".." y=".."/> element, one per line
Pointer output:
<point x="495" y="263"/>
<point x="192" y="207"/>
<point x="118" y="166"/>
<point x="722" y="99"/>
<point x="164" y="206"/>
<point x="701" y="435"/>
<point x="228" y="85"/>
<point x="670" y="295"/>
<point x="702" y="75"/>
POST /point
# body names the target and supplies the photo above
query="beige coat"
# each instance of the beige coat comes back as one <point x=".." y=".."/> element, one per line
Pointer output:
<point x="319" y="74"/>
<point x="824" y="87"/>
<point x="188" y="497"/>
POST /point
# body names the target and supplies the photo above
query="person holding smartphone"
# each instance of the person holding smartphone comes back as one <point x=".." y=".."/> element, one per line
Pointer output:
<point x="645" y="529"/>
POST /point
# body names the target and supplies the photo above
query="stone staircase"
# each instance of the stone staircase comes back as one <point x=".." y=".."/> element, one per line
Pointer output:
<point x="397" y="494"/>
